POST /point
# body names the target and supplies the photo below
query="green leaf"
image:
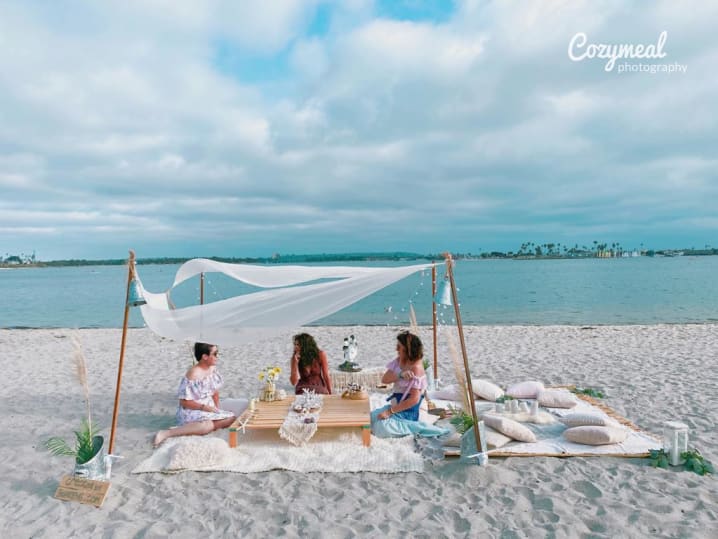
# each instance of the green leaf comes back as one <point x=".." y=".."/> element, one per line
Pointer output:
<point x="461" y="420"/>
<point x="85" y="445"/>
<point x="695" y="462"/>
<point x="589" y="391"/>
<point x="58" y="446"/>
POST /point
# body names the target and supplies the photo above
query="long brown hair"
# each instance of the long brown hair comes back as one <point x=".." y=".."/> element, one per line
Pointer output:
<point x="308" y="349"/>
<point x="413" y="345"/>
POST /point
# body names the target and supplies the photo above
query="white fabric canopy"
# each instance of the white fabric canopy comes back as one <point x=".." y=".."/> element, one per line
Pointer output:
<point x="284" y="306"/>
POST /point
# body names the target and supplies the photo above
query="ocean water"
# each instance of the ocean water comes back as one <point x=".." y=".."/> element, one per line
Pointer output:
<point x="534" y="292"/>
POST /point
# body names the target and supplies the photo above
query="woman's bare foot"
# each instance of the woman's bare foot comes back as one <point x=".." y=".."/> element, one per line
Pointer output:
<point x="160" y="437"/>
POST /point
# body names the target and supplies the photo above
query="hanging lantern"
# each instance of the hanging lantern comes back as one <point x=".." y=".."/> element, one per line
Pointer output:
<point x="135" y="298"/>
<point x="443" y="294"/>
<point x="675" y="441"/>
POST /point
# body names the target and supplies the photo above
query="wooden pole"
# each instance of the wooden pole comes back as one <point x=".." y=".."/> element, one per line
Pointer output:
<point x="433" y="314"/>
<point x="459" y="325"/>
<point x="201" y="288"/>
<point x="118" y="384"/>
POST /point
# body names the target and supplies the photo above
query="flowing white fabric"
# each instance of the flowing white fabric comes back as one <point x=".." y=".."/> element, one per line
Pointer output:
<point x="266" y="313"/>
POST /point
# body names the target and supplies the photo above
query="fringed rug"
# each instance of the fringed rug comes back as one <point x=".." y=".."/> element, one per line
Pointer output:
<point x="334" y="450"/>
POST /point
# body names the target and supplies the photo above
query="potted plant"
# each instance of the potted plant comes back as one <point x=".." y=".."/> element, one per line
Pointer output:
<point x="88" y="444"/>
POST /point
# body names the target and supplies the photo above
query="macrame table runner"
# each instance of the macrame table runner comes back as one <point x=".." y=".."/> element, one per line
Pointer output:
<point x="300" y="425"/>
<point x="335" y="412"/>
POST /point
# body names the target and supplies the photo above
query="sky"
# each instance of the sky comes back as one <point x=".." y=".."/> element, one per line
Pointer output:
<point x="240" y="129"/>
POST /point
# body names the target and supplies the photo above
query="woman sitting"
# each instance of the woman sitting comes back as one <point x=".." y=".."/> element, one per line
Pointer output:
<point x="406" y="372"/>
<point x="309" y="368"/>
<point x="198" y="411"/>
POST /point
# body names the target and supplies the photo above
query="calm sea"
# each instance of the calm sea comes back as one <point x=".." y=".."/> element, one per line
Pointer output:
<point x="579" y="292"/>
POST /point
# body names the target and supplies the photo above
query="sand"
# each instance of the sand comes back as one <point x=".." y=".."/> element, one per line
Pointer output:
<point x="650" y="374"/>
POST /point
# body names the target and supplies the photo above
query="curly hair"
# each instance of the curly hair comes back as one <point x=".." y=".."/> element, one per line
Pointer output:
<point x="413" y="345"/>
<point x="308" y="349"/>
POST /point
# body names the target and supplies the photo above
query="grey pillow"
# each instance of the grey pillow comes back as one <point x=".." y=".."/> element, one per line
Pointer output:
<point x="556" y="398"/>
<point x="591" y="435"/>
<point x="580" y="419"/>
<point x="509" y="427"/>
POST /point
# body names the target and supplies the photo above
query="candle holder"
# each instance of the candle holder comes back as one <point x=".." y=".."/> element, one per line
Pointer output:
<point x="675" y="441"/>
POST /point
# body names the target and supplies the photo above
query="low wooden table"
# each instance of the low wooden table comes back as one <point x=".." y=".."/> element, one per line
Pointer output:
<point x="336" y="412"/>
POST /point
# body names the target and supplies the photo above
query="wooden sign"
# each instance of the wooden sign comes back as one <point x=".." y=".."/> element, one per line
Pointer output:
<point x="77" y="489"/>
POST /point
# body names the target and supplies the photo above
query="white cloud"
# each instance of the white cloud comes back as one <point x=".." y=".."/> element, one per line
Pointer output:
<point x="118" y="122"/>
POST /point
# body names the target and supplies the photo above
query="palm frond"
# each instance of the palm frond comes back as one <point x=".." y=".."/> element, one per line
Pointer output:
<point x="84" y="442"/>
<point x="58" y="446"/>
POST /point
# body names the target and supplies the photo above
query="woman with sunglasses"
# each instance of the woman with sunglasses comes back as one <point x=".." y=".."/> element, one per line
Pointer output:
<point x="198" y="411"/>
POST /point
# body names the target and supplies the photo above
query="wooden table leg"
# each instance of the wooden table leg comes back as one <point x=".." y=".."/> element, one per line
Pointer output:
<point x="366" y="435"/>
<point x="233" y="433"/>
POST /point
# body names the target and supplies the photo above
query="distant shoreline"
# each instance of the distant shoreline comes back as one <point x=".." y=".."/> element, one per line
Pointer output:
<point x="360" y="257"/>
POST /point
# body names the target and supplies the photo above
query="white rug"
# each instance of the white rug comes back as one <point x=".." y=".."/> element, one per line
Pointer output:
<point x="335" y="450"/>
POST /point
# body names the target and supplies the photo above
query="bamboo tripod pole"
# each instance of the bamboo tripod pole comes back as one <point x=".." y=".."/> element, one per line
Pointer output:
<point x="459" y="325"/>
<point x="118" y="384"/>
<point x="433" y="314"/>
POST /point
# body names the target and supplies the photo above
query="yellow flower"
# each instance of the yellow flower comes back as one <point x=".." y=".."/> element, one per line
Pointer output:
<point x="261" y="376"/>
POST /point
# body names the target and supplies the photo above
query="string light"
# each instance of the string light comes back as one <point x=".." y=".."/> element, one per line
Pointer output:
<point x="389" y="309"/>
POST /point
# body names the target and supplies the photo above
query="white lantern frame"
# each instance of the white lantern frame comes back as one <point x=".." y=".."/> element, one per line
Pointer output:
<point x="675" y="441"/>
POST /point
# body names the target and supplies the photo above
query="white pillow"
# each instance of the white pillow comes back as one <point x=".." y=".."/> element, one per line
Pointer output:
<point x="556" y="398"/>
<point x="580" y="419"/>
<point x="494" y="439"/>
<point x="452" y="439"/>
<point x="525" y="390"/>
<point x="509" y="427"/>
<point x="486" y="390"/>
<point x="590" y="435"/>
<point x="426" y="417"/>
<point x="448" y="393"/>
<point x="194" y="452"/>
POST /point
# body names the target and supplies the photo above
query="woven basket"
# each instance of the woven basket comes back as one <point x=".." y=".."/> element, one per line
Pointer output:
<point x="356" y="395"/>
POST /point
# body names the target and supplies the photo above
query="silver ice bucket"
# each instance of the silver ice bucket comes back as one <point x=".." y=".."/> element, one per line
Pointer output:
<point x="95" y="467"/>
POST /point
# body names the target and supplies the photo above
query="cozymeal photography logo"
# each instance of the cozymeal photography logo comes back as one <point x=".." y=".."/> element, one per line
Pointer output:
<point x="625" y="57"/>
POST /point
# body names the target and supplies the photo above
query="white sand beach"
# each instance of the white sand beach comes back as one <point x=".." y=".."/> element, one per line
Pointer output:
<point x="650" y="374"/>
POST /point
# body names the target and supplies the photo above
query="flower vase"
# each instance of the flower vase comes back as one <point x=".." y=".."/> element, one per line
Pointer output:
<point x="269" y="392"/>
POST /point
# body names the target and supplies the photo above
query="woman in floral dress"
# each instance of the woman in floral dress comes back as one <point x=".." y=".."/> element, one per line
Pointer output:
<point x="198" y="411"/>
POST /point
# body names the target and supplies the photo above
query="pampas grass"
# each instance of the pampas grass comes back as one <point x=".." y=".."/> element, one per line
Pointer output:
<point x="85" y="448"/>
<point x="459" y="372"/>
<point x="81" y="372"/>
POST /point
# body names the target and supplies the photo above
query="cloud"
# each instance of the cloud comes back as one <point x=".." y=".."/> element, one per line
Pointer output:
<point x="230" y="128"/>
